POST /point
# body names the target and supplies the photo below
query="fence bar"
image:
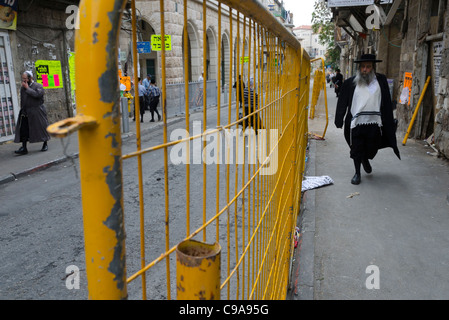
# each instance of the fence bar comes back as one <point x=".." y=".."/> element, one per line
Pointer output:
<point x="198" y="270"/>
<point x="323" y="80"/>
<point x="100" y="148"/>
<point x="137" y="107"/>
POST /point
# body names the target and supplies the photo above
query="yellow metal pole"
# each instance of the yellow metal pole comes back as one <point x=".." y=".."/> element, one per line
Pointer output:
<point x="204" y="113"/>
<point x="228" y="175"/>
<point x="100" y="148"/>
<point x="187" y="115"/>
<point x="165" y="134"/>
<point x="325" y="96"/>
<point x="217" y="190"/>
<point x="416" y="111"/>
<point x="237" y="61"/>
<point x="244" y="157"/>
<point x="198" y="270"/>
<point x="137" y="107"/>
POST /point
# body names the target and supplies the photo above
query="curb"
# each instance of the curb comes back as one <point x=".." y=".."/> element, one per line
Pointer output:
<point x="14" y="176"/>
<point x="302" y="279"/>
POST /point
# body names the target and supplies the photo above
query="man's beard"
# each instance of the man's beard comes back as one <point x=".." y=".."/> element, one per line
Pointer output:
<point x="364" y="79"/>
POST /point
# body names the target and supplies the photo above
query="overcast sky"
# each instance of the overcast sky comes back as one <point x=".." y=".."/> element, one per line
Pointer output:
<point x="302" y="11"/>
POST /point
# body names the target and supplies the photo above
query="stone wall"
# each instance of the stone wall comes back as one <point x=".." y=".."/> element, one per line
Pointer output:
<point x="442" y="117"/>
<point x="42" y="34"/>
<point x="174" y="24"/>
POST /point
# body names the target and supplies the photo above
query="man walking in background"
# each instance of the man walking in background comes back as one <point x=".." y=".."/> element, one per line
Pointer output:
<point x="146" y="84"/>
<point x="364" y="107"/>
<point x="32" y="123"/>
<point x="338" y="82"/>
<point x="154" y="94"/>
<point x="142" y="93"/>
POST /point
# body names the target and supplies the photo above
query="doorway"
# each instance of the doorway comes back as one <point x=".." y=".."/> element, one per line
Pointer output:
<point x="151" y="68"/>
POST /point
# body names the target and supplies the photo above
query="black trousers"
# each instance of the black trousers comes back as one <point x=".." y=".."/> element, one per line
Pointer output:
<point x="141" y="106"/>
<point x="153" y="107"/>
<point x="253" y="121"/>
<point x="365" y="141"/>
<point x="24" y="129"/>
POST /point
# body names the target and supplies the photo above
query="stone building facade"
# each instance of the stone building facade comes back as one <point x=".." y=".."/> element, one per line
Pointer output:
<point x="46" y="30"/>
<point x="42" y="35"/>
<point x="149" y="24"/>
<point x="442" y="116"/>
<point x="202" y="41"/>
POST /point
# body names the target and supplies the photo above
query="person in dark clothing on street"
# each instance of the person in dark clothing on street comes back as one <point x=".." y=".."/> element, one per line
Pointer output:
<point x="154" y="94"/>
<point x="251" y="99"/>
<point x="142" y="92"/>
<point x="365" y="108"/>
<point x="241" y="86"/>
<point x="32" y="122"/>
<point x="338" y="82"/>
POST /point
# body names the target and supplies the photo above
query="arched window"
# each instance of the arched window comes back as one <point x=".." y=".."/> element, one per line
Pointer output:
<point x="212" y="55"/>
<point x="194" y="63"/>
<point x="224" y="63"/>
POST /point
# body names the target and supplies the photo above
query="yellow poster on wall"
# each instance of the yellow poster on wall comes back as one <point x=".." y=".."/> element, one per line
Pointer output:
<point x="49" y="73"/>
<point x="156" y="42"/>
<point x="407" y="89"/>
<point x="8" y="14"/>
<point x="408" y="81"/>
<point x="72" y="73"/>
<point x="127" y="82"/>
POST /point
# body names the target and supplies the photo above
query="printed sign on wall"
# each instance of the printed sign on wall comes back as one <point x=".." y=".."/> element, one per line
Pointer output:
<point x="72" y="74"/>
<point x="406" y="94"/>
<point x="144" y="47"/>
<point x="437" y="56"/>
<point x="126" y="81"/>
<point x="156" y="42"/>
<point x="8" y="14"/>
<point x="49" y="73"/>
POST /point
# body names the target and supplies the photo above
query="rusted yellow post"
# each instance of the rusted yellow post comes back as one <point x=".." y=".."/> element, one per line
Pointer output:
<point x="317" y="83"/>
<point x="98" y="96"/>
<point x="416" y="111"/>
<point x="198" y="270"/>
<point x="323" y="80"/>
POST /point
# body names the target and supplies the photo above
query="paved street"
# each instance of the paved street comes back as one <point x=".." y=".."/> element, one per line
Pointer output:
<point x="394" y="225"/>
<point x="42" y="222"/>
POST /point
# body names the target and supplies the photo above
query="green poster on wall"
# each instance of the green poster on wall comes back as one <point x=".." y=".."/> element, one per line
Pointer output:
<point x="49" y="73"/>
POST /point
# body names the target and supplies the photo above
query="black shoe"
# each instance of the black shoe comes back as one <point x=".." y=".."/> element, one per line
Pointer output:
<point x="356" y="179"/>
<point x="152" y="120"/>
<point x="159" y="117"/>
<point x="21" y="151"/>
<point x="44" y="148"/>
<point x="366" y="166"/>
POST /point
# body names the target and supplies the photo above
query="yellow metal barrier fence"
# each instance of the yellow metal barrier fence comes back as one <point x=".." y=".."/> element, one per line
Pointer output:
<point x="249" y="207"/>
<point x="319" y="83"/>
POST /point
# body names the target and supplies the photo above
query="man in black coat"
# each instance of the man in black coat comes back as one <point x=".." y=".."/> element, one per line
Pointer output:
<point x="338" y="82"/>
<point x="32" y="122"/>
<point x="364" y="107"/>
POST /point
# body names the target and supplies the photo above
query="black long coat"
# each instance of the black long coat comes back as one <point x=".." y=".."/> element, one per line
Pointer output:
<point x="343" y="113"/>
<point x="32" y="104"/>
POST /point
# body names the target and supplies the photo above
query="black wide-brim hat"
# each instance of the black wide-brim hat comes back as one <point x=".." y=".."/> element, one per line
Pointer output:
<point x="367" y="58"/>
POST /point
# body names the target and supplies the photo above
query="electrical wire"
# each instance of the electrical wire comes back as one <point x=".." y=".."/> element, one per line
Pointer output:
<point x="389" y="42"/>
<point x="40" y="40"/>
